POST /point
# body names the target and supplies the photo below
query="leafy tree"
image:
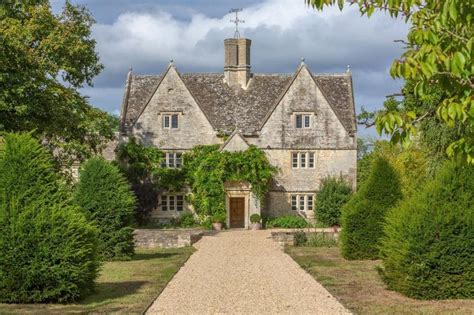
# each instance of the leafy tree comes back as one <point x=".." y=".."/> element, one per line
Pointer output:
<point x="44" y="59"/>
<point x="410" y="164"/>
<point x="428" y="243"/>
<point x="331" y="197"/>
<point x="439" y="50"/>
<point x="48" y="250"/>
<point x="107" y="199"/>
<point x="363" y="216"/>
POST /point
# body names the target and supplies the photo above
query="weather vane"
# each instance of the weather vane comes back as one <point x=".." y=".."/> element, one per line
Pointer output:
<point x="236" y="21"/>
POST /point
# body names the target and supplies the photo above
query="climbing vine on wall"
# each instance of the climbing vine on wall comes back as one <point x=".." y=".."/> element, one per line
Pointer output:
<point x="205" y="171"/>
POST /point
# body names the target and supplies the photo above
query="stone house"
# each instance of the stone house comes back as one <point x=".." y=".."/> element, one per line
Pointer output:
<point x="304" y="122"/>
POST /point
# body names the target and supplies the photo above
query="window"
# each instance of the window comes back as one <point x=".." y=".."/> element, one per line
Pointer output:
<point x="172" y="203"/>
<point x="170" y="121"/>
<point x="172" y="160"/>
<point x="311" y="159"/>
<point x="179" y="202"/>
<point x="294" y="202"/>
<point x="294" y="160"/>
<point x="302" y="202"/>
<point x="303" y="121"/>
<point x="303" y="160"/>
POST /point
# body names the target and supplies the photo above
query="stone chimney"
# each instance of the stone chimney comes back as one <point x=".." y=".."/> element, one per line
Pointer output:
<point x="237" y="61"/>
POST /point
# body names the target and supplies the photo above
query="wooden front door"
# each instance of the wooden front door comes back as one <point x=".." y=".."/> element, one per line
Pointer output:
<point x="237" y="212"/>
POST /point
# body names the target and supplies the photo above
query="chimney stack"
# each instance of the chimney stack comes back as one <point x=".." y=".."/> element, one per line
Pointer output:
<point x="237" y="61"/>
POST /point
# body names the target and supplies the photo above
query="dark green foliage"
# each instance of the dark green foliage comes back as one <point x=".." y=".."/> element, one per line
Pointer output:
<point x="428" y="246"/>
<point x="108" y="201"/>
<point x="48" y="251"/>
<point x="300" y="238"/>
<point x="287" y="221"/>
<point x="207" y="169"/>
<point x="332" y="195"/>
<point x="363" y="216"/>
<point x="255" y="218"/>
<point x="186" y="220"/>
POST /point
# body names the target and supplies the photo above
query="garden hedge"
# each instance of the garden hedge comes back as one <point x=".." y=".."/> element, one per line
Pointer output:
<point x="109" y="202"/>
<point x="48" y="251"/>
<point x="331" y="197"/>
<point x="363" y="216"/>
<point x="428" y="246"/>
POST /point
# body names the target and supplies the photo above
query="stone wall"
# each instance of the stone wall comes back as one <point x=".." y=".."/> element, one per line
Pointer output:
<point x="154" y="238"/>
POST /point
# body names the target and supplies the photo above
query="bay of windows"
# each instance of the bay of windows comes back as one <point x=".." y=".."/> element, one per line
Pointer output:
<point x="172" y="203"/>
<point x="303" y="160"/>
<point x="302" y="202"/>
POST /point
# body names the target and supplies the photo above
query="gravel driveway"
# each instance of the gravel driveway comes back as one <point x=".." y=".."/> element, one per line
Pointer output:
<point x="241" y="271"/>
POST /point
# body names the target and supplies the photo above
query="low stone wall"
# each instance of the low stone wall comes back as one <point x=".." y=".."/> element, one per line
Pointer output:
<point x="153" y="238"/>
<point x="286" y="237"/>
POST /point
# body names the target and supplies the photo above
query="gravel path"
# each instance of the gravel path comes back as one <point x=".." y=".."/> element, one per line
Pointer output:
<point x="242" y="271"/>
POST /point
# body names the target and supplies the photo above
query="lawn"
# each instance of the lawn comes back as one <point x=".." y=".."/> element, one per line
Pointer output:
<point x="122" y="287"/>
<point x="357" y="285"/>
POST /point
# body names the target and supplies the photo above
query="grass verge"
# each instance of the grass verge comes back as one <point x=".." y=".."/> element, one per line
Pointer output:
<point x="122" y="287"/>
<point x="357" y="285"/>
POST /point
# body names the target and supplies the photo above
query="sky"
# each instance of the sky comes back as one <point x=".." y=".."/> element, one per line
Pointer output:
<point x="146" y="34"/>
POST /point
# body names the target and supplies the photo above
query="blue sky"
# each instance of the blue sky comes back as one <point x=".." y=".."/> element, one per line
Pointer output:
<point x="146" y="34"/>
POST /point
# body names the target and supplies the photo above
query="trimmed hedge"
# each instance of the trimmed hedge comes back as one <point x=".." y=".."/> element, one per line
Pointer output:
<point x="363" y="216"/>
<point x="331" y="197"/>
<point x="48" y="251"/>
<point x="108" y="201"/>
<point x="287" y="221"/>
<point x="428" y="247"/>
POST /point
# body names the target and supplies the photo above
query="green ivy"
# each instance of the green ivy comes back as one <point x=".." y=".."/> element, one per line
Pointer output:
<point x="207" y="169"/>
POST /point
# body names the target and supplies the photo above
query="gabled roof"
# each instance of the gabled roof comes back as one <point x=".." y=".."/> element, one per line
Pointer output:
<point x="231" y="108"/>
<point x="235" y="140"/>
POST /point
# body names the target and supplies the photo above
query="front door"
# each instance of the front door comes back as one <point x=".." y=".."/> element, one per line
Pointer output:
<point x="237" y="212"/>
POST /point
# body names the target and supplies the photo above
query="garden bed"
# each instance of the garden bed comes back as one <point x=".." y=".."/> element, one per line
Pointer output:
<point x="358" y="286"/>
<point x="127" y="287"/>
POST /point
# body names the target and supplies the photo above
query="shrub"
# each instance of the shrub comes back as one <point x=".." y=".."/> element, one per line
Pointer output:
<point x="428" y="246"/>
<point x="109" y="202"/>
<point x="186" y="220"/>
<point x="363" y="216"/>
<point x="48" y="251"/>
<point x="287" y="222"/>
<point x="332" y="195"/>
<point x="300" y="238"/>
<point x="255" y="218"/>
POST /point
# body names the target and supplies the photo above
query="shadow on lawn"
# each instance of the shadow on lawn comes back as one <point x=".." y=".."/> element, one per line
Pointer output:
<point x="113" y="290"/>
<point x="146" y="256"/>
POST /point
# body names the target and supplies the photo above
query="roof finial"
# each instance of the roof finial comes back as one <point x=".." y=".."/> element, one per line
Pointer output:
<point x="236" y="21"/>
<point x="302" y="60"/>
<point x="130" y="69"/>
<point x="348" y="68"/>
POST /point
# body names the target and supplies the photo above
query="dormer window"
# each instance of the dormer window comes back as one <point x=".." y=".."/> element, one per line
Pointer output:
<point x="302" y="121"/>
<point x="170" y="121"/>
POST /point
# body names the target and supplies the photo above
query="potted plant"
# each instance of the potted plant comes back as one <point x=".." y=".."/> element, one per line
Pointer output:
<point x="217" y="221"/>
<point x="255" y="222"/>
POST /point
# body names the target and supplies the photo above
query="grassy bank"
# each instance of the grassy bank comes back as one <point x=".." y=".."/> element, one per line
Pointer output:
<point x="357" y="285"/>
<point x="124" y="287"/>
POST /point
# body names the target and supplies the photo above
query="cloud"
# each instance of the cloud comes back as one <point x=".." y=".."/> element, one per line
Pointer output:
<point x="281" y="31"/>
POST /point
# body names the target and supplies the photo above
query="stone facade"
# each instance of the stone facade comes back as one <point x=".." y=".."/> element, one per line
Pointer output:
<point x="261" y="111"/>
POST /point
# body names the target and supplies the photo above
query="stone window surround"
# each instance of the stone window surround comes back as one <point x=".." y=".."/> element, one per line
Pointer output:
<point x="303" y="115"/>
<point x="300" y="157"/>
<point x="302" y="202"/>
<point x="175" y="205"/>
<point x="169" y="115"/>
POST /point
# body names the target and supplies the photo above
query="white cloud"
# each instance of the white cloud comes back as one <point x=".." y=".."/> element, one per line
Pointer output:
<point x="282" y="31"/>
